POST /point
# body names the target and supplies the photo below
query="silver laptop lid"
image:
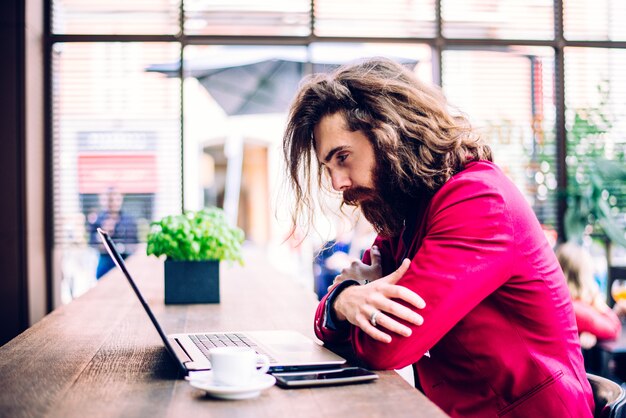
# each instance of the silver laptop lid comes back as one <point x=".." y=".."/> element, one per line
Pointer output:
<point x="176" y="352"/>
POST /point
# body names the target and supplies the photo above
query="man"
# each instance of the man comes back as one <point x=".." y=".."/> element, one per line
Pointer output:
<point x="461" y="281"/>
<point x="118" y="224"/>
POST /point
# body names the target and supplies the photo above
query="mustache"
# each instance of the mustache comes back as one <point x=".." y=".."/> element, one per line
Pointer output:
<point x="354" y="195"/>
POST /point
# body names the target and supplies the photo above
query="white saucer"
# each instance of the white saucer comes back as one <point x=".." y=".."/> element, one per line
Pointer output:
<point x="251" y="390"/>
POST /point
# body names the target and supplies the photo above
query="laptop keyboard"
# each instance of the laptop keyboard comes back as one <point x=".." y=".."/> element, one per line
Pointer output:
<point x="205" y="342"/>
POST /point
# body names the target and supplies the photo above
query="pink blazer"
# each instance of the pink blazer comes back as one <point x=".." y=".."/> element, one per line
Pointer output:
<point x="499" y="324"/>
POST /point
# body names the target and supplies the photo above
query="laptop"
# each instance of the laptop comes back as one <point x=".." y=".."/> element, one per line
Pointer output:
<point x="287" y="350"/>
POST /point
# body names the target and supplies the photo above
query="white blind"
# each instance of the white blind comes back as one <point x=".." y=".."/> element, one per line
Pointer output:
<point x="417" y="57"/>
<point x="374" y="18"/>
<point x="595" y="97"/>
<point x="594" y="20"/>
<point x="115" y="16"/>
<point x="498" y="19"/>
<point x="112" y="119"/>
<point x="247" y="17"/>
<point x="114" y="125"/>
<point x="509" y="97"/>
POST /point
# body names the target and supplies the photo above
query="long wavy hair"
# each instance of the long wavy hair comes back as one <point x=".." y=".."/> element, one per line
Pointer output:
<point x="419" y="144"/>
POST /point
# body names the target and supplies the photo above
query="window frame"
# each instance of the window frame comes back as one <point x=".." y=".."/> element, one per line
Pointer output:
<point x="438" y="44"/>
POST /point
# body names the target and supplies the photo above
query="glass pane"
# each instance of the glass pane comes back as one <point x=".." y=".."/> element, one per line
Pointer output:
<point x="116" y="145"/>
<point x="498" y="19"/>
<point x="115" y="16"/>
<point x="415" y="56"/>
<point x="236" y="98"/>
<point x="595" y="97"/>
<point x="594" y="20"/>
<point x="247" y="17"/>
<point x="373" y="18"/>
<point x="519" y="124"/>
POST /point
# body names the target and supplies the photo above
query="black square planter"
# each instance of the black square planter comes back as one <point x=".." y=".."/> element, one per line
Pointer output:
<point x="192" y="282"/>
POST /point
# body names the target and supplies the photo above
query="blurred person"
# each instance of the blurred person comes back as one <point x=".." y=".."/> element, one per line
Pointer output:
<point x="121" y="226"/>
<point x="594" y="318"/>
<point x="460" y="281"/>
<point x="347" y="247"/>
<point x="331" y="257"/>
<point x="328" y="262"/>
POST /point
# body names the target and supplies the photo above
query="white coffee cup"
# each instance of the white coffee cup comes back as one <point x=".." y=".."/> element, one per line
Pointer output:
<point x="237" y="366"/>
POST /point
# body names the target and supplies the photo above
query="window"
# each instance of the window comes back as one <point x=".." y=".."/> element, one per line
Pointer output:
<point x="498" y="19"/>
<point x="172" y="102"/>
<point x="116" y="128"/>
<point x="519" y="124"/>
<point x="247" y="17"/>
<point x="594" y="20"/>
<point x="119" y="17"/>
<point x="372" y="18"/>
<point x="595" y="87"/>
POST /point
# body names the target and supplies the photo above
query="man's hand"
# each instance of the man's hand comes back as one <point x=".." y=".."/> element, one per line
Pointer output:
<point x="360" y="271"/>
<point x="357" y="304"/>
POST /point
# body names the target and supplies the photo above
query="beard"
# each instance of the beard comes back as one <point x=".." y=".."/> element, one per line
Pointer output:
<point x="384" y="207"/>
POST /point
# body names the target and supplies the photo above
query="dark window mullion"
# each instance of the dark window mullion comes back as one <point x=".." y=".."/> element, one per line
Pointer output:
<point x="438" y="47"/>
<point x="561" y="135"/>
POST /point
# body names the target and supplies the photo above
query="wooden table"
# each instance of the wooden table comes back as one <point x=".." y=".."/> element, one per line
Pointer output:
<point x="101" y="356"/>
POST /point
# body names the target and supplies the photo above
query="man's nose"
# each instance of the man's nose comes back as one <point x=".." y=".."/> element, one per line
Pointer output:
<point x="340" y="181"/>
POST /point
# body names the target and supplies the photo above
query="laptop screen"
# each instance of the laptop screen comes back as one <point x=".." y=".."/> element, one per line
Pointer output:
<point x="119" y="261"/>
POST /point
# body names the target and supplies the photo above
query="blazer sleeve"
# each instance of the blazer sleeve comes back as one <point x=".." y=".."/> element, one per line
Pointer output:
<point x="465" y="255"/>
<point x="604" y="325"/>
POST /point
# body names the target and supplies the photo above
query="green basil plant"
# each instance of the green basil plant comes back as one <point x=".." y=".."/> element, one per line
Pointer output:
<point x="196" y="236"/>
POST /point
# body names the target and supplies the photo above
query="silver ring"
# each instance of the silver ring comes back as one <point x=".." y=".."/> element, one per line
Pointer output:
<point x="373" y="318"/>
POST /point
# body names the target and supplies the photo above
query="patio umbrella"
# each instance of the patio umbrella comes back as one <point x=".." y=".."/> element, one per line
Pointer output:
<point x="256" y="80"/>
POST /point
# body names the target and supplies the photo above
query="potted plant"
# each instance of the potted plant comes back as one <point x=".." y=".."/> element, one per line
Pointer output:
<point x="594" y="178"/>
<point x="596" y="175"/>
<point x="194" y="244"/>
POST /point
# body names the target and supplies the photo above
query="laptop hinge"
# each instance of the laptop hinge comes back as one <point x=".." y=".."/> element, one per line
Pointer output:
<point x="186" y="359"/>
<point x="180" y="351"/>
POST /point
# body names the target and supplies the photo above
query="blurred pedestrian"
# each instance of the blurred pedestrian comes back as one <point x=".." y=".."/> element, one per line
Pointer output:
<point x="121" y="226"/>
<point x="594" y="318"/>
